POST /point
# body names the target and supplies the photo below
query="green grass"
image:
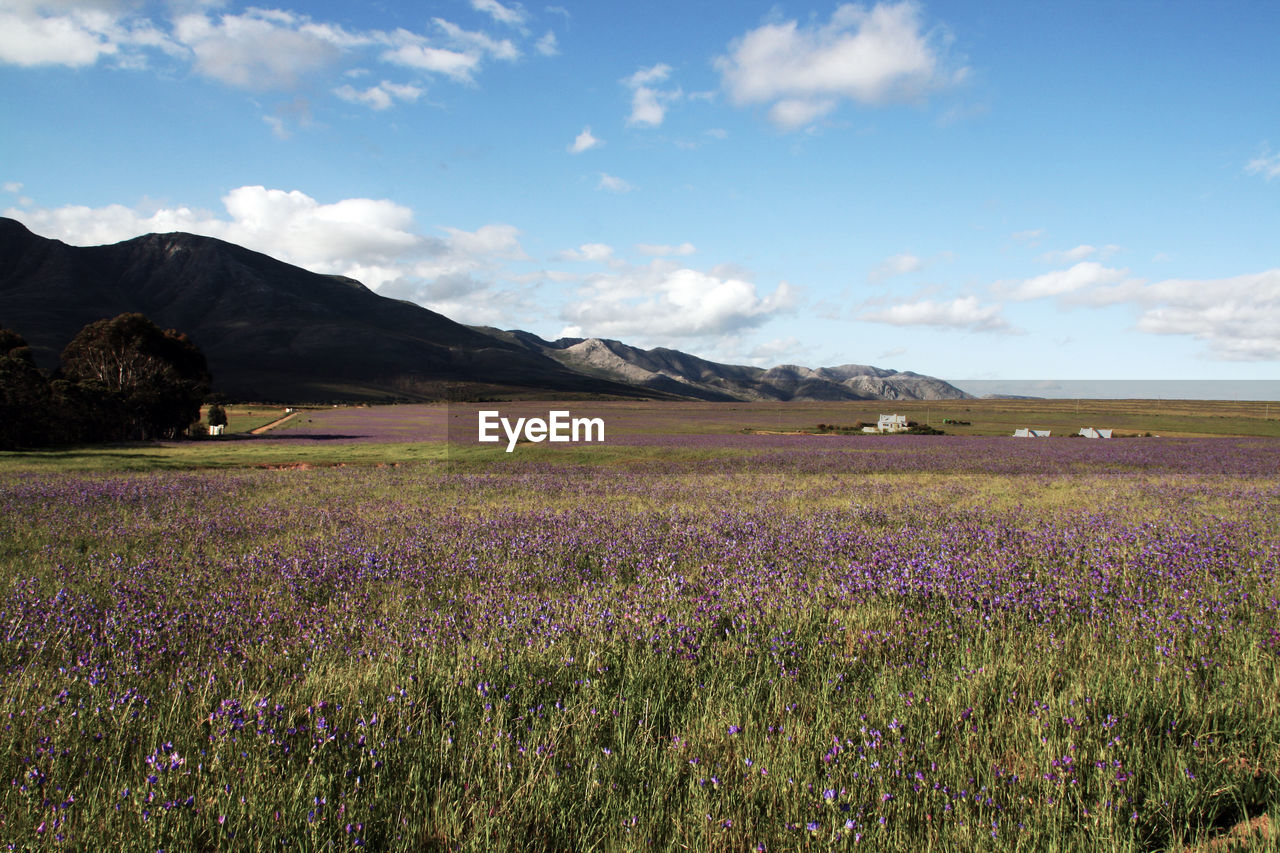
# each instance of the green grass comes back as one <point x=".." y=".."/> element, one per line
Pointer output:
<point x="963" y="727"/>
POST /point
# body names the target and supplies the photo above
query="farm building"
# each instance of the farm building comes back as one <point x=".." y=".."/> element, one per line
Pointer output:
<point x="1093" y="432"/>
<point x="888" y="424"/>
<point x="1023" y="432"/>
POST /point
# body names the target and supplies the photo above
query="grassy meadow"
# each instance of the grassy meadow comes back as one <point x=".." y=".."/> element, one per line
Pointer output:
<point x="708" y="633"/>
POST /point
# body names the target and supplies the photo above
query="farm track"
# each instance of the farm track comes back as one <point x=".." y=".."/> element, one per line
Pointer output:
<point x="266" y="427"/>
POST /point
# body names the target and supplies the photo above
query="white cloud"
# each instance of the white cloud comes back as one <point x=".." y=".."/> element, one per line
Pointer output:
<point x="896" y="265"/>
<point x="649" y="104"/>
<point x="1084" y="275"/>
<point x="496" y="241"/>
<point x="613" y="184"/>
<point x="1265" y="164"/>
<point x="964" y="313"/>
<point x="477" y="43"/>
<point x="261" y="49"/>
<point x="648" y="76"/>
<point x="660" y="251"/>
<point x="61" y="40"/>
<point x="798" y="112"/>
<point x="773" y="352"/>
<point x="1238" y="318"/>
<point x="77" y="34"/>
<point x="594" y="252"/>
<point x="513" y="15"/>
<point x="278" y="128"/>
<point x="379" y="97"/>
<point x="414" y="51"/>
<point x="1030" y="236"/>
<point x="866" y="56"/>
<point x="547" y="45"/>
<point x="584" y="141"/>
<point x="661" y="301"/>
<point x="646" y="108"/>
<point x="1079" y="253"/>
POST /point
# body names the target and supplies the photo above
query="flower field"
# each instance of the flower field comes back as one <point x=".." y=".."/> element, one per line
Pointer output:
<point x="732" y="643"/>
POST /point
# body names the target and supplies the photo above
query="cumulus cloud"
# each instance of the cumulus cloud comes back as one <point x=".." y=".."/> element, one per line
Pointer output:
<point x="866" y="56"/>
<point x="260" y="49"/>
<point x="547" y="45"/>
<point x="64" y="40"/>
<point x="1238" y="318"/>
<point x="584" y="141"/>
<point x="414" y="52"/>
<point x="478" y="43"/>
<point x="964" y="313"/>
<point x="513" y="15"/>
<point x="1265" y="164"/>
<point x="1079" y="253"/>
<point x="381" y="96"/>
<point x="77" y="34"/>
<point x="661" y="251"/>
<point x="662" y="301"/>
<point x="495" y="241"/>
<point x="593" y="252"/>
<point x="648" y="102"/>
<point x="1082" y="276"/>
<point x="459" y="56"/>
<point x="896" y="265"/>
<point x="613" y="184"/>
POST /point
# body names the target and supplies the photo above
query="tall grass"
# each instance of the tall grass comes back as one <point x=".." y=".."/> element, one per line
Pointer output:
<point x="638" y="655"/>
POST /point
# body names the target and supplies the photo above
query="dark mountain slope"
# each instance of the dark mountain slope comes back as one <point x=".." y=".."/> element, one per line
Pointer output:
<point x="269" y="329"/>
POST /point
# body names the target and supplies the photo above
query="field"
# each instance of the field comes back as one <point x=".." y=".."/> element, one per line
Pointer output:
<point x="709" y="633"/>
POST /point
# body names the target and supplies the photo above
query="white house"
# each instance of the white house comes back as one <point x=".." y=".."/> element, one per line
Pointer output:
<point x="216" y="429"/>
<point x="1023" y="432"/>
<point x="1092" y="432"/>
<point x="891" y="423"/>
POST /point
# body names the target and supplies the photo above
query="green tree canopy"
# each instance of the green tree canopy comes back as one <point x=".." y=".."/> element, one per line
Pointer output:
<point x="156" y="379"/>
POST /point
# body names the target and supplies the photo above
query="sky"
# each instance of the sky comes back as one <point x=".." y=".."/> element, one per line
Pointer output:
<point x="995" y="190"/>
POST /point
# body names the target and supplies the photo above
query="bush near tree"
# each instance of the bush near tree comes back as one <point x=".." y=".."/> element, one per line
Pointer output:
<point x="25" y="404"/>
<point x="217" y="415"/>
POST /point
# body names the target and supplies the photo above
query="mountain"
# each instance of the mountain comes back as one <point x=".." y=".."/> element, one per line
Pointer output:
<point x="270" y="331"/>
<point x="273" y="331"/>
<point x="679" y="373"/>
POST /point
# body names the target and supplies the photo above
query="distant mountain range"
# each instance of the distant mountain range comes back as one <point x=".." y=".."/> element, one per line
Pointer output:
<point x="685" y="375"/>
<point x="273" y="331"/>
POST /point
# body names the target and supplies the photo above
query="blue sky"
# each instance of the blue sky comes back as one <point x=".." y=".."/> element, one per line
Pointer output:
<point x="968" y="190"/>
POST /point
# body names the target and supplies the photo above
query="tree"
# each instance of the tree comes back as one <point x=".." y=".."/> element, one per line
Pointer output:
<point x="24" y="395"/>
<point x="217" y="415"/>
<point x="157" y="379"/>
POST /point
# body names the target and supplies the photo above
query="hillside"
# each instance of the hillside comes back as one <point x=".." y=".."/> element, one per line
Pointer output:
<point x="273" y="331"/>
<point x="270" y="330"/>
